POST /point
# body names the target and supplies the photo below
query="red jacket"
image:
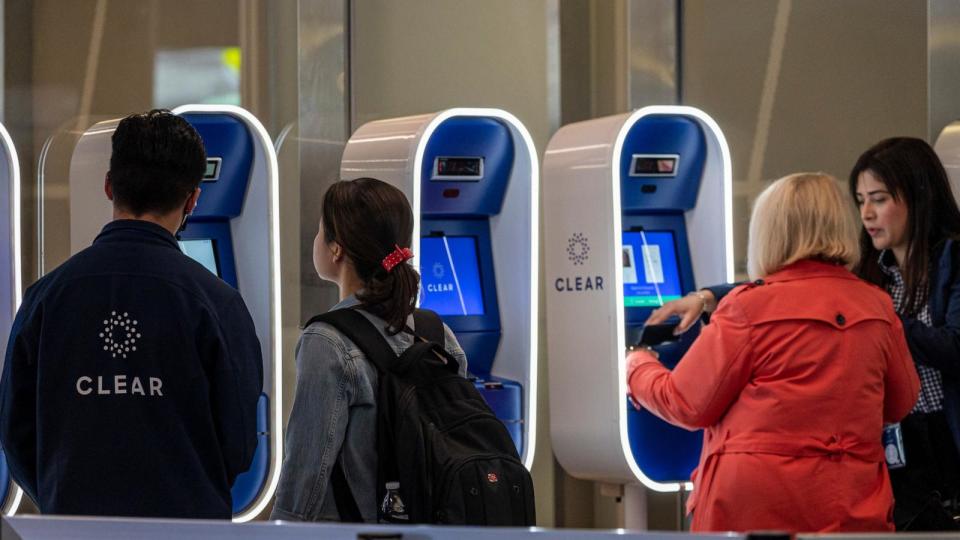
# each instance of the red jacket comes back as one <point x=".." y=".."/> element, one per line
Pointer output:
<point x="792" y="380"/>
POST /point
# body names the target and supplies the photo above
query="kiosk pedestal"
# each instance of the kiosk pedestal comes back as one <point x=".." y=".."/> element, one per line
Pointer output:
<point x="636" y="213"/>
<point x="947" y="147"/>
<point x="471" y="176"/>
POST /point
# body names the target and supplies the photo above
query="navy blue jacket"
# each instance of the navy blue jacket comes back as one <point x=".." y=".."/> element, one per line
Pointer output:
<point x="937" y="346"/>
<point x="130" y="382"/>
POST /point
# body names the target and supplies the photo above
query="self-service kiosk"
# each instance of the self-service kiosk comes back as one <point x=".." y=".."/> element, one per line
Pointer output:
<point x="947" y="147"/>
<point x="471" y="176"/>
<point x="10" y="283"/>
<point x="637" y="212"/>
<point x="233" y="232"/>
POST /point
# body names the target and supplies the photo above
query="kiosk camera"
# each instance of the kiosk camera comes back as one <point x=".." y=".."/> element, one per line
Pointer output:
<point x="233" y="232"/>
<point x="637" y="212"/>
<point x="471" y="176"/>
<point x="10" y="283"/>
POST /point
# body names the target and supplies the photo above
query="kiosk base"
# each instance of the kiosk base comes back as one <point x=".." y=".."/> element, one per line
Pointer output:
<point x="248" y="485"/>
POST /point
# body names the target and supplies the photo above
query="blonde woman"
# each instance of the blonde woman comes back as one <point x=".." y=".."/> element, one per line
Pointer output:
<point x="793" y="379"/>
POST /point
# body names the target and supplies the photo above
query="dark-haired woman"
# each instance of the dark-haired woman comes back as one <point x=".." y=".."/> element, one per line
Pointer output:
<point x="909" y="246"/>
<point x="362" y="245"/>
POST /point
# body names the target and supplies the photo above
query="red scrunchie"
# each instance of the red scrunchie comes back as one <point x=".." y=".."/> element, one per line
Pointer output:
<point x="396" y="257"/>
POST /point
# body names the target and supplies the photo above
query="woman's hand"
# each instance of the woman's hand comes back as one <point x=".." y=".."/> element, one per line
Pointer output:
<point x="687" y="308"/>
<point x="635" y="357"/>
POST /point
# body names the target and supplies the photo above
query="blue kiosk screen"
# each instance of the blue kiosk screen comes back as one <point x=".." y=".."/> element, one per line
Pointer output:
<point x="651" y="272"/>
<point x="450" y="274"/>
<point x="203" y="252"/>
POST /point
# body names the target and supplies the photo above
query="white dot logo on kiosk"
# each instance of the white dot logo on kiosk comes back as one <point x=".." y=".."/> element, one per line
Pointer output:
<point x="120" y="334"/>
<point x="578" y="249"/>
<point x="438" y="270"/>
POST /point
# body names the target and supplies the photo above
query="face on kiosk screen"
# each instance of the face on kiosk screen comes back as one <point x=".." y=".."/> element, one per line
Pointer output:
<point x="651" y="273"/>
<point x="203" y="252"/>
<point x="450" y="275"/>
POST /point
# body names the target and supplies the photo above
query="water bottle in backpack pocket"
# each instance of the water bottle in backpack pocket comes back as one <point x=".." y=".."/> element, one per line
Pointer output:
<point x="392" y="509"/>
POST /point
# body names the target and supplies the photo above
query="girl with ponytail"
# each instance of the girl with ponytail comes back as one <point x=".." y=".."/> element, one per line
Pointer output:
<point x="363" y="245"/>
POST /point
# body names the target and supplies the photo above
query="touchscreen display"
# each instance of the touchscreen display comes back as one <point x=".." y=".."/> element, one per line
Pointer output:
<point x="651" y="271"/>
<point x="450" y="275"/>
<point x="203" y="251"/>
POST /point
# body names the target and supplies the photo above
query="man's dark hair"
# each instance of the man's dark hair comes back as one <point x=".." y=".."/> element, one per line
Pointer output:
<point x="158" y="160"/>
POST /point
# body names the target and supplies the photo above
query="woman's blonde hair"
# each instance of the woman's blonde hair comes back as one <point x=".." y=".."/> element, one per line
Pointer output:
<point x="800" y="216"/>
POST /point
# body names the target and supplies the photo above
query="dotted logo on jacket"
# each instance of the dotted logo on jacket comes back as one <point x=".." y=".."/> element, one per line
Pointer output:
<point x="119" y="337"/>
<point x="120" y="334"/>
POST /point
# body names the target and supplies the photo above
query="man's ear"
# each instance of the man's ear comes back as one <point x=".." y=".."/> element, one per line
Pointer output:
<point x="191" y="203"/>
<point x="108" y="187"/>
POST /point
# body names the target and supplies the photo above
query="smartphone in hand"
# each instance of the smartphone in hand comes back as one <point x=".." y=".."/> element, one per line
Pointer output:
<point x="655" y="334"/>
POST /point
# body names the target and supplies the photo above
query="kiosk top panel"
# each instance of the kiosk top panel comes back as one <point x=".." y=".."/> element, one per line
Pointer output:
<point x="661" y="165"/>
<point x="466" y="167"/>
<point x="229" y="161"/>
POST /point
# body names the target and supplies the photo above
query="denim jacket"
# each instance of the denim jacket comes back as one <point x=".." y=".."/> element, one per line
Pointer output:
<point x="335" y="415"/>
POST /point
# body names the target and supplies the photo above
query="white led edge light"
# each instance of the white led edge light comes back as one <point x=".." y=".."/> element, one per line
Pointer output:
<point x="13" y="500"/>
<point x="276" y="401"/>
<point x="516" y="127"/>
<point x="705" y="122"/>
<point x="726" y="164"/>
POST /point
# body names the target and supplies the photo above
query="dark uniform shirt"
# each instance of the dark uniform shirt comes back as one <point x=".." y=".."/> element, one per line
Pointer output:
<point x="130" y="382"/>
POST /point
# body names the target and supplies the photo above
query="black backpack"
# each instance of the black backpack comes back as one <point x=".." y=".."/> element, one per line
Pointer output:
<point x="453" y="458"/>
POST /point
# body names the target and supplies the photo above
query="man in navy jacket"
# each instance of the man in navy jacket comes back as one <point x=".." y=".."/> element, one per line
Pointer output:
<point x="132" y="374"/>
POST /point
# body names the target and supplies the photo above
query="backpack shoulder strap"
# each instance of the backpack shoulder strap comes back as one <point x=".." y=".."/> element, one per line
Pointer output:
<point x="362" y="333"/>
<point x="429" y="326"/>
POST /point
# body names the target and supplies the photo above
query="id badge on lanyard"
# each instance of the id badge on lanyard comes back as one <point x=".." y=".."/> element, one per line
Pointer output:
<point x="893" y="446"/>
